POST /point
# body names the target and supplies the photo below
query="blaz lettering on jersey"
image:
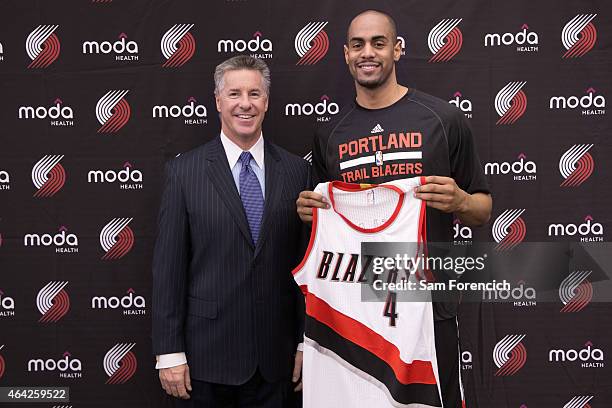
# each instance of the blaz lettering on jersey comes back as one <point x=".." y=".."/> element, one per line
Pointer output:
<point x="372" y="156"/>
<point x="334" y="268"/>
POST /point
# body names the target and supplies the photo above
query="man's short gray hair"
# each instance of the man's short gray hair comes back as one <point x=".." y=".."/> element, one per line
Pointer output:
<point x="242" y="62"/>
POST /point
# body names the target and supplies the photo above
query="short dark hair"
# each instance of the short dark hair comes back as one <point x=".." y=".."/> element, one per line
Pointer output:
<point x="390" y="19"/>
<point x="242" y="62"/>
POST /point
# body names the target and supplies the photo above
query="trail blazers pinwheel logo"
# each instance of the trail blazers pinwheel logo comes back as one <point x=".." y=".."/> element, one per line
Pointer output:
<point x="2" y="363"/>
<point x="117" y="238"/>
<point x="445" y="40"/>
<point x="42" y="46"/>
<point x="113" y="111"/>
<point x="312" y="43"/>
<point x="579" y="35"/>
<point x="579" y="401"/>
<point x="53" y="302"/>
<point x="576" y="165"/>
<point x="509" y="355"/>
<point x="120" y="363"/>
<point x="509" y="229"/>
<point x="48" y="175"/>
<point x="510" y="103"/>
<point x="576" y="291"/>
<point x="178" y="45"/>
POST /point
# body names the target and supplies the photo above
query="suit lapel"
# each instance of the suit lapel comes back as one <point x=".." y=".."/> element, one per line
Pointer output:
<point x="274" y="183"/>
<point x="221" y="176"/>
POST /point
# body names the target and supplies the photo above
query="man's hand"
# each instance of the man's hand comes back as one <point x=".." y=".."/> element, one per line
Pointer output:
<point x="306" y="201"/>
<point x="445" y="195"/>
<point x="297" y="371"/>
<point x="176" y="381"/>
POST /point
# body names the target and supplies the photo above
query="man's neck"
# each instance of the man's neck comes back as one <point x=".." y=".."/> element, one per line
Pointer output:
<point x="245" y="143"/>
<point x="380" y="97"/>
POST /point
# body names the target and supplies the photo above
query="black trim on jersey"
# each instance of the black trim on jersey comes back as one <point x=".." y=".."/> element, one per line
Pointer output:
<point x="367" y="362"/>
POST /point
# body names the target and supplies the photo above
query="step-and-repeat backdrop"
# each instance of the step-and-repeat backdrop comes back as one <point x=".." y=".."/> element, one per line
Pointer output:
<point x="95" y="95"/>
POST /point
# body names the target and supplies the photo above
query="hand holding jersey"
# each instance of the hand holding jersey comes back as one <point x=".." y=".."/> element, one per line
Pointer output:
<point x="438" y="192"/>
<point x="442" y="193"/>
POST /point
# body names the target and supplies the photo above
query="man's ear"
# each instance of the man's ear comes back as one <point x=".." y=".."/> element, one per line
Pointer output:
<point x="397" y="50"/>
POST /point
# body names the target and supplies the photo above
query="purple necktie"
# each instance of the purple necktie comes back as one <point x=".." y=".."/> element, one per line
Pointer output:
<point x="251" y="195"/>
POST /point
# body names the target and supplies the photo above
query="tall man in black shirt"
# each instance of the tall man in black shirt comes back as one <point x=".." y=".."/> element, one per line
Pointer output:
<point x="392" y="132"/>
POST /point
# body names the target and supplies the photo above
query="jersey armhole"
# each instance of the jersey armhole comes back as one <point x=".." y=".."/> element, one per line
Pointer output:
<point x="313" y="236"/>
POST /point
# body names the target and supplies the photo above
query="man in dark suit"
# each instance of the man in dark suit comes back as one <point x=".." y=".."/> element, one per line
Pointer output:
<point x="227" y="315"/>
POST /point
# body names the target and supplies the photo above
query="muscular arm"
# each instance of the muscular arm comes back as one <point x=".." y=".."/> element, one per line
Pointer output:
<point x="443" y="194"/>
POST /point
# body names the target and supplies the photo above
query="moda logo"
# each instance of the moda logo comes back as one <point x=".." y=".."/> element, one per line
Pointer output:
<point x="579" y="35"/>
<point x="120" y="363"/>
<point x="466" y="360"/>
<point x="2" y="363"/>
<point x="48" y="175"/>
<point x="588" y="231"/>
<point x="524" y="40"/>
<point x="509" y="355"/>
<point x="588" y="104"/>
<point x="509" y="229"/>
<point x="131" y="303"/>
<point x="42" y="46"/>
<point x="68" y="366"/>
<point x="520" y="295"/>
<point x="52" y="301"/>
<point x="59" y="115"/>
<point x="462" y="234"/>
<point x="576" y="165"/>
<point x="575" y="291"/>
<point x="7" y="306"/>
<point x="323" y="110"/>
<point x="192" y="112"/>
<point x="113" y="111"/>
<point x="127" y="178"/>
<point x="258" y="47"/>
<point x="311" y="43"/>
<point x="445" y="40"/>
<point x="588" y="356"/>
<point x="64" y="243"/>
<point x="5" y="180"/>
<point x="124" y="50"/>
<point x="510" y="103"/>
<point x="117" y="238"/>
<point x="177" y="45"/>
<point x="579" y="401"/>
<point x="462" y="103"/>
<point x="520" y="169"/>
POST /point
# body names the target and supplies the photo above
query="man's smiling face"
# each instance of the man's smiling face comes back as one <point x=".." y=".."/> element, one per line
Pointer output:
<point x="372" y="49"/>
<point x="242" y="103"/>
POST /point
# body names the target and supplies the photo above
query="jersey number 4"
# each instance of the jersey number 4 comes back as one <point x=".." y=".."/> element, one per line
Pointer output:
<point x="390" y="308"/>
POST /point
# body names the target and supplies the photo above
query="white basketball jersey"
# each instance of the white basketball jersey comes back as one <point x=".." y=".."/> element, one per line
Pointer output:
<point x="357" y="353"/>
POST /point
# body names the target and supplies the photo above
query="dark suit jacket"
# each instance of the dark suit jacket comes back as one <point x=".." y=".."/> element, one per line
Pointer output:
<point x="229" y="305"/>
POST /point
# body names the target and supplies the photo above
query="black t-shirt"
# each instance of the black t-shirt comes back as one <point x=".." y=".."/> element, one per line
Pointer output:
<point x="419" y="135"/>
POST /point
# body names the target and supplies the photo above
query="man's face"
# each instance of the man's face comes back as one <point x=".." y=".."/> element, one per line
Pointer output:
<point x="371" y="53"/>
<point x="242" y="103"/>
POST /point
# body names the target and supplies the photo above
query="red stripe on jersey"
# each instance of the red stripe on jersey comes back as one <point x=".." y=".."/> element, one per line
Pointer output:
<point x="362" y="187"/>
<point x="406" y="373"/>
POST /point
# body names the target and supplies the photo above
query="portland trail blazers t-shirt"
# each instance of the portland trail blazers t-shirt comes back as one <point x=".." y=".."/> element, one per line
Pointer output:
<point x="419" y="135"/>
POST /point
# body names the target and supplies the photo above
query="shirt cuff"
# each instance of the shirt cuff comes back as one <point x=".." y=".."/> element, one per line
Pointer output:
<point x="170" y="360"/>
<point x="300" y="347"/>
